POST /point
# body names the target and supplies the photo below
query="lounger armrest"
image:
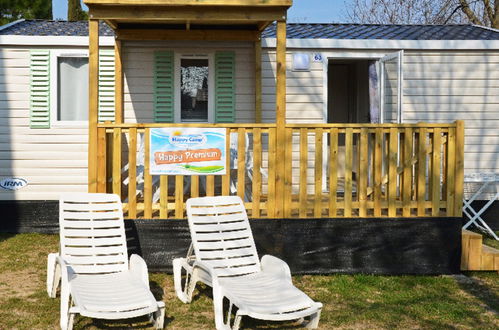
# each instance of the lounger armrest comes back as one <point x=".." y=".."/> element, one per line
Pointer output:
<point x="276" y="266"/>
<point x="138" y="269"/>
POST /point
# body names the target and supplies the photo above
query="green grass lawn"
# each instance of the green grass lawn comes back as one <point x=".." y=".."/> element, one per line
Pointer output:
<point x="469" y="301"/>
<point x="490" y="241"/>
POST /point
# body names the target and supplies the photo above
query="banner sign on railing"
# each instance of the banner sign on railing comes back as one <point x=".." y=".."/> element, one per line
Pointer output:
<point x="188" y="151"/>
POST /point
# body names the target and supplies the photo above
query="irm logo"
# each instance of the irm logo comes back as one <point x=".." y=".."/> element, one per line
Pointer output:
<point x="13" y="183"/>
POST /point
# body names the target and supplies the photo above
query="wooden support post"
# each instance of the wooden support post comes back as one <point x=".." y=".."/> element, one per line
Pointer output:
<point x="118" y="83"/>
<point x="93" y="102"/>
<point x="258" y="80"/>
<point x="280" y="116"/>
<point x="459" y="183"/>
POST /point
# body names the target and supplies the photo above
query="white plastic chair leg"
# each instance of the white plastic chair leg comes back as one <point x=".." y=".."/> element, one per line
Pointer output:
<point x="314" y="320"/>
<point x="159" y="316"/>
<point x="237" y="322"/>
<point x="64" y="310"/>
<point x="53" y="275"/>
<point x="183" y="293"/>
<point x="218" y="299"/>
<point x="71" y="320"/>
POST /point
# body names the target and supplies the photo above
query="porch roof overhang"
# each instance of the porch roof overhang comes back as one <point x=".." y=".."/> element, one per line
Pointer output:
<point x="202" y="19"/>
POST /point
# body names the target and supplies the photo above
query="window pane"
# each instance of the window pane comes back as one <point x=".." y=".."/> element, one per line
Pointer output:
<point x="72" y="88"/>
<point x="194" y="90"/>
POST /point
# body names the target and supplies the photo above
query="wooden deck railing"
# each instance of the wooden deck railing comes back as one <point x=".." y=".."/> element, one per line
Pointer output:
<point x="331" y="170"/>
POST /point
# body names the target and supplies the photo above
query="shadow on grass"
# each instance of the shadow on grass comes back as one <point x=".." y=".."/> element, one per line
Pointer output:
<point x="480" y="290"/>
<point x="6" y="236"/>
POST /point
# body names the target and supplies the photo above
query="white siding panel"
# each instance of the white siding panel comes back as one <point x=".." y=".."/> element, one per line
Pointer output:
<point x="54" y="160"/>
<point x="304" y="99"/>
<point x="447" y="86"/>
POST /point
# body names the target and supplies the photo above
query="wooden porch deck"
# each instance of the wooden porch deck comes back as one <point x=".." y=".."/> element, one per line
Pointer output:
<point x="330" y="170"/>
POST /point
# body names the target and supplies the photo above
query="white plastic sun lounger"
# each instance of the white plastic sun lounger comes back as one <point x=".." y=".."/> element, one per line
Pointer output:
<point x="97" y="280"/>
<point x="225" y="258"/>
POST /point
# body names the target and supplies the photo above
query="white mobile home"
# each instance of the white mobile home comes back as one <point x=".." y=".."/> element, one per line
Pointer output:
<point x="336" y="73"/>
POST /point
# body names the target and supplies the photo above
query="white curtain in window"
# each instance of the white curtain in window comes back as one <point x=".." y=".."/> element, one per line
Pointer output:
<point x="73" y="89"/>
<point x="374" y="112"/>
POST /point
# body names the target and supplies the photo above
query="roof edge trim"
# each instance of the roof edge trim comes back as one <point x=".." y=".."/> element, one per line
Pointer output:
<point x="485" y="27"/>
<point x="385" y="44"/>
<point x="52" y="40"/>
<point x="8" y="25"/>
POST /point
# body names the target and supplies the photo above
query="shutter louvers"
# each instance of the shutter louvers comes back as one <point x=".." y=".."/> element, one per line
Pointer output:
<point x="106" y="85"/>
<point x="225" y="87"/>
<point x="163" y="87"/>
<point x="39" y="113"/>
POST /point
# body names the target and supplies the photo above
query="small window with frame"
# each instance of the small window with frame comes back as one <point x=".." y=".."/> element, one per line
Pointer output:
<point x="194" y="88"/>
<point x="69" y="93"/>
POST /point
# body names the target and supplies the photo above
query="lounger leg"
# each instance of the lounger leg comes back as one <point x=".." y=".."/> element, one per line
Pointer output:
<point x="237" y="322"/>
<point x="218" y="299"/>
<point x="71" y="320"/>
<point x="53" y="275"/>
<point x="65" y="316"/>
<point x="159" y="317"/>
<point x="185" y="293"/>
<point x="191" y="284"/>
<point x="314" y="320"/>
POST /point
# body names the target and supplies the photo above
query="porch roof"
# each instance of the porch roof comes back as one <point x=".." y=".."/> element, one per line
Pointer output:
<point x="188" y="14"/>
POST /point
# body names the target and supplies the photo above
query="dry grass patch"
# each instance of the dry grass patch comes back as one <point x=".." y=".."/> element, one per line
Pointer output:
<point x="350" y="301"/>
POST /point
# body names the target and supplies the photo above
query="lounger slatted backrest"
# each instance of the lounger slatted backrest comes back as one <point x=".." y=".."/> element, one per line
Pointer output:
<point x="92" y="233"/>
<point x="222" y="236"/>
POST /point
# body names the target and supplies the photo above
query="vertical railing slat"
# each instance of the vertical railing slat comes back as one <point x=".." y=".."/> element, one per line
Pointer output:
<point x="348" y="172"/>
<point x="163" y="197"/>
<point x="257" y="174"/>
<point x="421" y="186"/>
<point x="406" y="186"/>
<point x="435" y="171"/>
<point x="117" y="161"/>
<point x="241" y="162"/>
<point x="147" y="176"/>
<point x="318" y="173"/>
<point x="101" y="160"/>
<point x="195" y="186"/>
<point x="392" y="171"/>
<point x="303" y="173"/>
<point x="226" y="177"/>
<point x="272" y="169"/>
<point x="378" y="170"/>
<point x="288" y="167"/>
<point x="132" y="174"/>
<point x="363" y="172"/>
<point x="210" y="185"/>
<point x="333" y="171"/>
<point x="179" y="196"/>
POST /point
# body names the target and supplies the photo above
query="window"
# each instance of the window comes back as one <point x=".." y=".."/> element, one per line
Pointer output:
<point x="194" y="88"/>
<point x="69" y="94"/>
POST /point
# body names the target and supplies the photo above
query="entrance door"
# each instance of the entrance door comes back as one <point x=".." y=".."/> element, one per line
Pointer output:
<point x="348" y="91"/>
<point x="391" y="87"/>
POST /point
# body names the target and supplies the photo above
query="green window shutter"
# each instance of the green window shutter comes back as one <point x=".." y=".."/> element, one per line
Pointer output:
<point x="39" y="114"/>
<point x="163" y="87"/>
<point x="106" y="85"/>
<point x="225" y="87"/>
